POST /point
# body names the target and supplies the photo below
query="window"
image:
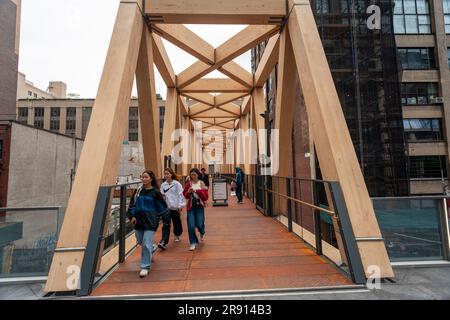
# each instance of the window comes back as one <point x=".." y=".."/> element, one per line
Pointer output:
<point x="35" y="95"/>
<point x="419" y="93"/>
<point x="446" y="5"/>
<point x="133" y="128"/>
<point x="423" y="167"/>
<point x="71" y="121"/>
<point x="417" y="58"/>
<point x="55" y="114"/>
<point x="417" y="130"/>
<point x="322" y="6"/>
<point x="87" y="112"/>
<point x="39" y="118"/>
<point x="412" y="17"/>
<point x="30" y="94"/>
<point x="23" y="115"/>
<point x="448" y="57"/>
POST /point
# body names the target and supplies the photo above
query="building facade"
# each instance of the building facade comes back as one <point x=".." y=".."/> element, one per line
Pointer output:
<point x="9" y="56"/>
<point x="71" y="116"/>
<point x="392" y="81"/>
<point x="27" y="90"/>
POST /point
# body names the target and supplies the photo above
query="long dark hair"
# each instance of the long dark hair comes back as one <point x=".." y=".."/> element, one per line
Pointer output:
<point x="154" y="183"/>
<point x="199" y="174"/>
<point x="172" y="173"/>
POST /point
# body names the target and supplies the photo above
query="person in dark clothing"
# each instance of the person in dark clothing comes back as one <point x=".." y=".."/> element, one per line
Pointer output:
<point x="239" y="184"/>
<point x="205" y="178"/>
<point x="147" y="207"/>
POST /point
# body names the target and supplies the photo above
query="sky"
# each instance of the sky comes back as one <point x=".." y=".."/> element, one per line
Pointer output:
<point x="68" y="41"/>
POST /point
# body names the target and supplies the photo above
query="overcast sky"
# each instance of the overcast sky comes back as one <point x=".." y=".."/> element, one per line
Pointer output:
<point x="68" y="41"/>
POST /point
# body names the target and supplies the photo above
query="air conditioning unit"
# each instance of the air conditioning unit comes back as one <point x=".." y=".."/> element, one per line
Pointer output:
<point x="438" y="100"/>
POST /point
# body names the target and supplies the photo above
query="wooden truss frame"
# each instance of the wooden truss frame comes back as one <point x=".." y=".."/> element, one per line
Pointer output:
<point x="136" y="46"/>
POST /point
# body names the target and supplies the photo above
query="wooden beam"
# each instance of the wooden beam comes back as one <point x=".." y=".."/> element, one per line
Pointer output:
<point x="214" y="113"/>
<point x="162" y="62"/>
<point x="259" y="107"/>
<point x="335" y="150"/>
<point x="184" y="108"/>
<point x="148" y="105"/>
<point x="286" y="84"/>
<point x="268" y="61"/>
<point x="99" y="161"/>
<point x="215" y="85"/>
<point x="245" y="40"/>
<point x="237" y="113"/>
<point x="205" y="98"/>
<point x="187" y="40"/>
<point x="199" y="108"/>
<point x="222" y="116"/>
<point x="187" y="126"/>
<point x="211" y="12"/>
<point x="225" y="98"/>
<point x="246" y="105"/>
<point x="233" y="48"/>
<point x="169" y="122"/>
<point x="237" y="73"/>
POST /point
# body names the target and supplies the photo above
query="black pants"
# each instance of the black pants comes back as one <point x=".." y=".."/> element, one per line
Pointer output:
<point x="239" y="192"/>
<point x="177" y="226"/>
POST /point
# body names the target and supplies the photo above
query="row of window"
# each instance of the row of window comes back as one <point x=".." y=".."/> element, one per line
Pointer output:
<point x="410" y="16"/>
<point x="419" y="58"/>
<point x="425" y="167"/>
<point x="71" y="115"/>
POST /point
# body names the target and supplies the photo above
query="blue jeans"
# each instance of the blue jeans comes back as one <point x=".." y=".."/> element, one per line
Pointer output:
<point x="196" y="219"/>
<point x="145" y="239"/>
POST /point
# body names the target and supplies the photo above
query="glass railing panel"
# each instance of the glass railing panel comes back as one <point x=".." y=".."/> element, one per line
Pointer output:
<point x="28" y="239"/>
<point x="411" y="227"/>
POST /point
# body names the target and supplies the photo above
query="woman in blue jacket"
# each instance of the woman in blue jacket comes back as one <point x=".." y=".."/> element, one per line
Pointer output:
<point x="147" y="207"/>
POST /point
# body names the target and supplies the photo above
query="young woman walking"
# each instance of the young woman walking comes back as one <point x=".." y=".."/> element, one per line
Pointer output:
<point x="172" y="191"/>
<point x="147" y="207"/>
<point x="196" y="193"/>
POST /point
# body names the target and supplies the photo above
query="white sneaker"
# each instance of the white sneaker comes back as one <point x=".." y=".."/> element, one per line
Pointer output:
<point x="143" y="273"/>
<point x="177" y="239"/>
<point x="193" y="247"/>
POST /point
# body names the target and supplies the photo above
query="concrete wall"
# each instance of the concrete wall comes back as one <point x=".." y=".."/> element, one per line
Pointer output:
<point x="40" y="167"/>
<point x="9" y="58"/>
<point x="132" y="160"/>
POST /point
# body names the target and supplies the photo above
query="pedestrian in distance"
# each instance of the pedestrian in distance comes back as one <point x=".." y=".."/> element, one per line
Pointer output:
<point x="147" y="207"/>
<point x="239" y="184"/>
<point x="196" y="194"/>
<point x="172" y="190"/>
<point x="205" y="177"/>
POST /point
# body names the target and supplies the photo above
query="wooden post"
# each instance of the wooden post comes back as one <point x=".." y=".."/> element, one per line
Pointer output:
<point x="99" y="160"/>
<point x="148" y="106"/>
<point x="335" y="149"/>
<point x="170" y="118"/>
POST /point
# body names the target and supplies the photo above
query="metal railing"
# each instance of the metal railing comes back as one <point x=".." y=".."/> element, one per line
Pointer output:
<point x="28" y="238"/>
<point x="291" y="200"/>
<point x="106" y="235"/>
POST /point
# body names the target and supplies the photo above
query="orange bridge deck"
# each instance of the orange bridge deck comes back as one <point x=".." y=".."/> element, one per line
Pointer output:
<point x="243" y="251"/>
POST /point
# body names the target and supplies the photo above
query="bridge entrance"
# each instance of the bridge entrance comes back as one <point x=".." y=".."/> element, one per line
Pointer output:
<point x="200" y="110"/>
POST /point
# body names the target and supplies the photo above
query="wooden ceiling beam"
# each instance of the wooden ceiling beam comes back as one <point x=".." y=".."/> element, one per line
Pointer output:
<point x="215" y="85"/>
<point x="162" y="62"/>
<point x="268" y="61"/>
<point x="187" y="40"/>
<point x="233" y="48"/>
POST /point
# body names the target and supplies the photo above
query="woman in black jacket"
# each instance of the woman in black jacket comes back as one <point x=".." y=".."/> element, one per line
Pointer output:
<point x="147" y="207"/>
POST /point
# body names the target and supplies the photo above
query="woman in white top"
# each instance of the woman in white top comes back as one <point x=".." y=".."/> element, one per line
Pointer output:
<point x="172" y="191"/>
